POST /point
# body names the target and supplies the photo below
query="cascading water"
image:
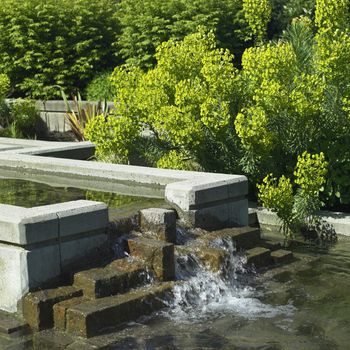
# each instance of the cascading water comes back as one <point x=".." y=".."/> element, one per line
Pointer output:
<point x="203" y="294"/>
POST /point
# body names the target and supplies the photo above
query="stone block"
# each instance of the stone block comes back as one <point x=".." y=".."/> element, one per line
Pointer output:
<point x="258" y="257"/>
<point x="161" y="222"/>
<point x="200" y="191"/>
<point x="81" y="345"/>
<point x="272" y="245"/>
<point x="60" y="310"/>
<point x="22" y="270"/>
<point x="93" y="317"/>
<point x="158" y="255"/>
<point x="81" y="217"/>
<point x="110" y="280"/>
<point x="37" y="307"/>
<point x="21" y="343"/>
<point x="212" y="258"/>
<point x="282" y="256"/>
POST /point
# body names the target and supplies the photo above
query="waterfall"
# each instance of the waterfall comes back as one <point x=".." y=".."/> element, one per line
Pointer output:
<point x="202" y="294"/>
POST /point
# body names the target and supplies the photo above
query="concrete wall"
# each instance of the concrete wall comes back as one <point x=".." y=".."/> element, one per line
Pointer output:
<point x="39" y="245"/>
<point x="53" y="113"/>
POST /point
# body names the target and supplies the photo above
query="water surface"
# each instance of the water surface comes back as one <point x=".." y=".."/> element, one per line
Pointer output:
<point x="302" y="306"/>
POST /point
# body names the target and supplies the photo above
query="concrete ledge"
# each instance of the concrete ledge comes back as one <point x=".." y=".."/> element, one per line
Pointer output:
<point x="193" y="193"/>
<point x="269" y="221"/>
<point x="72" y="150"/>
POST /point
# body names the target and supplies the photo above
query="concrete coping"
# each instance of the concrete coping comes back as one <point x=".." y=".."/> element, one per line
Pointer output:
<point x="269" y="220"/>
<point x="24" y="226"/>
<point x="186" y="190"/>
<point x="76" y="150"/>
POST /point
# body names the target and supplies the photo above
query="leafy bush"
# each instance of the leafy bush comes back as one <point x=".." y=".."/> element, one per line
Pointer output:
<point x="299" y="208"/>
<point x="146" y="24"/>
<point x="24" y="119"/>
<point x="258" y="14"/>
<point x="296" y="99"/>
<point x="55" y="42"/>
<point x="185" y="101"/>
<point x="4" y="110"/>
<point x="100" y="88"/>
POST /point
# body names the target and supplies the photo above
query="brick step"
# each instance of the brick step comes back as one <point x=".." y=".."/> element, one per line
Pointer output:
<point x="258" y="257"/>
<point x="159" y="255"/>
<point x="93" y="317"/>
<point x="16" y="343"/>
<point x="117" y="277"/>
<point x="269" y="244"/>
<point x="242" y="237"/>
<point x="282" y="256"/>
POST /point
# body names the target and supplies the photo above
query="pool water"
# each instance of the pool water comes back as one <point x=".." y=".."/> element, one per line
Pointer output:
<point x="29" y="194"/>
<point x="301" y="306"/>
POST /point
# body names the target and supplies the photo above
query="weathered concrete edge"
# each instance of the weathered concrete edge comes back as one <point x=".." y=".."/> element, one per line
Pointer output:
<point x="23" y="226"/>
<point x="72" y="150"/>
<point x="267" y="219"/>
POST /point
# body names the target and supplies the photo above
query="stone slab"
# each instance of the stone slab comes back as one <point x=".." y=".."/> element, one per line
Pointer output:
<point x="51" y="340"/>
<point x="60" y="311"/>
<point x="37" y="307"/>
<point x="93" y="317"/>
<point x="242" y="237"/>
<point x="231" y="213"/>
<point x="110" y="280"/>
<point x="339" y="221"/>
<point x="200" y="191"/>
<point x="24" y="226"/>
<point x="282" y="256"/>
<point x="258" y="257"/>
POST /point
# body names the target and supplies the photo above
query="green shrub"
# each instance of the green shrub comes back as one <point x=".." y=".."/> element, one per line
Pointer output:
<point x="298" y="208"/>
<point x="100" y="88"/>
<point x="4" y="110"/>
<point x="4" y="85"/>
<point x="258" y="15"/>
<point x="25" y="119"/>
<point x="55" y="42"/>
<point x="185" y="101"/>
<point x="296" y="98"/>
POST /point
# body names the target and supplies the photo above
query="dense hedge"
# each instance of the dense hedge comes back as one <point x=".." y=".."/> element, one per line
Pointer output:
<point x="55" y="42"/>
<point x="44" y="43"/>
<point x="146" y="24"/>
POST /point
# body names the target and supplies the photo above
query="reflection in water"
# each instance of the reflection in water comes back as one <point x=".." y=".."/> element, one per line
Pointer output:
<point x="31" y="194"/>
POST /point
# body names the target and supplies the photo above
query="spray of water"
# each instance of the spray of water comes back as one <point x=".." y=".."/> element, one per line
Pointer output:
<point x="203" y="294"/>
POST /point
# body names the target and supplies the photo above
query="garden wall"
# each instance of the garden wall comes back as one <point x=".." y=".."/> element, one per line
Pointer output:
<point x="53" y="113"/>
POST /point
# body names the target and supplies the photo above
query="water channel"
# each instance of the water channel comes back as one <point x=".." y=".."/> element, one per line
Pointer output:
<point x="304" y="305"/>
